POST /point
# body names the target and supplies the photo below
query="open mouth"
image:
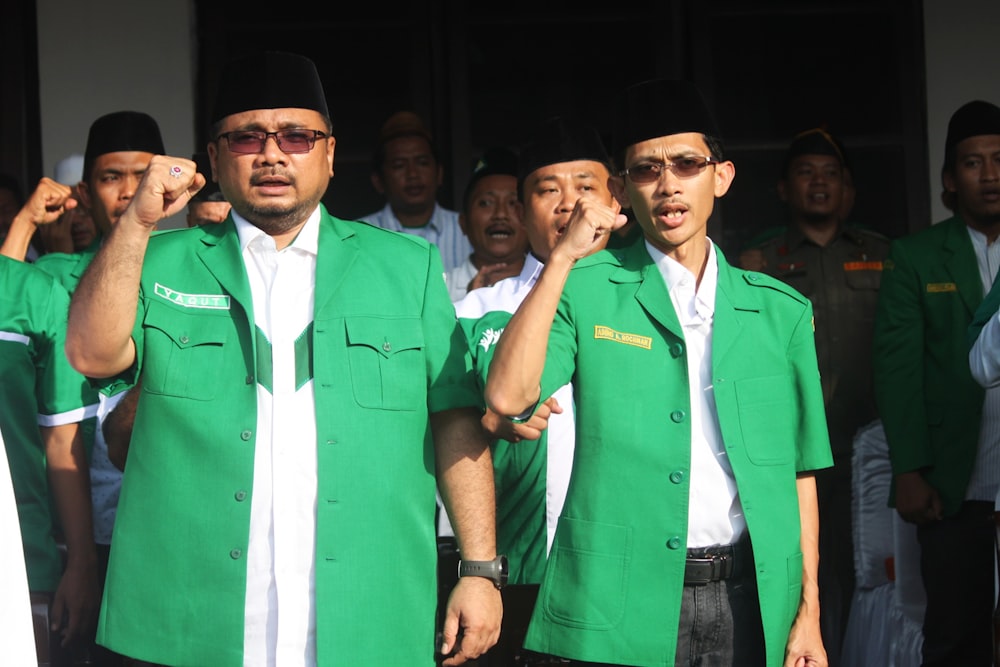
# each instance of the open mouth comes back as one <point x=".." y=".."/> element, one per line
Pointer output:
<point x="499" y="232"/>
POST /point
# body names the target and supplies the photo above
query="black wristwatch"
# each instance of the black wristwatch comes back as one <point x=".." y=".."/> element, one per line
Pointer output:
<point x="495" y="570"/>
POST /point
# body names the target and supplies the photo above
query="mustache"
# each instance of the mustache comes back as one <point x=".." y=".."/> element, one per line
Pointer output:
<point x="270" y="174"/>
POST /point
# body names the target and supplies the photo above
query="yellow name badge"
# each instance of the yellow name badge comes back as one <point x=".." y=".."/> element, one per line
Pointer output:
<point x="209" y="301"/>
<point x="935" y="288"/>
<point x="607" y="333"/>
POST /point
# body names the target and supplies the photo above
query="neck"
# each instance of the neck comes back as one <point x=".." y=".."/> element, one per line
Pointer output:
<point x="692" y="255"/>
<point x="990" y="228"/>
<point x="413" y="218"/>
<point x="480" y="260"/>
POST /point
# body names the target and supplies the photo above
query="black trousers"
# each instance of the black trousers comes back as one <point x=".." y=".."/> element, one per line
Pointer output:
<point x="957" y="567"/>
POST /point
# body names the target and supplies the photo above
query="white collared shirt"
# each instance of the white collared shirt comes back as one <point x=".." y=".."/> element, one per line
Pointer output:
<point x="715" y="515"/>
<point x="985" y="480"/>
<point x="280" y="607"/>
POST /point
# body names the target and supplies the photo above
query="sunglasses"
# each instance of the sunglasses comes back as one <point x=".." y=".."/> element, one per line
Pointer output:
<point x="683" y="167"/>
<point x="289" y="141"/>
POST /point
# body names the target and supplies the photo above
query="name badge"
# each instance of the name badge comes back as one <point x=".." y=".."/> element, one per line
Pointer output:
<point x="934" y="288"/>
<point x="607" y="333"/>
<point x="209" y="301"/>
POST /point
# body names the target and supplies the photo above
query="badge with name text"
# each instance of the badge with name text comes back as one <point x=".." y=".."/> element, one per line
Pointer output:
<point x="209" y="301"/>
<point x="607" y="333"/>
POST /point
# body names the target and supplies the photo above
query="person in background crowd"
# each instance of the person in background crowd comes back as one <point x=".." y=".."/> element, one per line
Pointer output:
<point x="408" y="172"/>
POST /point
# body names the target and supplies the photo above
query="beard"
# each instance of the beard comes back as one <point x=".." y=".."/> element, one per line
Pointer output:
<point x="273" y="219"/>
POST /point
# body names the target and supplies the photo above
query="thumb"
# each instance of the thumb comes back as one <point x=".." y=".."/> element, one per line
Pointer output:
<point x="449" y="633"/>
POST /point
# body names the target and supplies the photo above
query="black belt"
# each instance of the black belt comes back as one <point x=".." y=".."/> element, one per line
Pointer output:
<point x="708" y="564"/>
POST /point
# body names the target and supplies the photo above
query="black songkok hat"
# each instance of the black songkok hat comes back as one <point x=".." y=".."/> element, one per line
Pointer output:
<point x="269" y="80"/>
<point x="659" y="108"/>
<point x="970" y="120"/>
<point x="211" y="190"/>
<point x="122" y="131"/>
<point x="561" y="139"/>
<point x="496" y="160"/>
<point x="816" y="141"/>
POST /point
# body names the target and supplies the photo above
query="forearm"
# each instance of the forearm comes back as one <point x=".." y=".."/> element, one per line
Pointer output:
<point x="102" y="311"/>
<point x="19" y="236"/>
<point x="805" y="486"/>
<point x="69" y="481"/>
<point x="465" y="480"/>
<point x="515" y="374"/>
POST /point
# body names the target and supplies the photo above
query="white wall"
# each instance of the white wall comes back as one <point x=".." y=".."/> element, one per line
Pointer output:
<point x="114" y="55"/>
<point x="963" y="64"/>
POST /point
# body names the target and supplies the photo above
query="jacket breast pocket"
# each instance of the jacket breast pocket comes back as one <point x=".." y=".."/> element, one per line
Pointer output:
<point x="767" y="416"/>
<point x="386" y="357"/>
<point x="183" y="352"/>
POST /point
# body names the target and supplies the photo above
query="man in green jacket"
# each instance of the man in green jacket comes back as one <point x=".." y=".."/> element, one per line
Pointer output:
<point x="303" y="379"/>
<point x="699" y="419"/>
<point x="943" y="430"/>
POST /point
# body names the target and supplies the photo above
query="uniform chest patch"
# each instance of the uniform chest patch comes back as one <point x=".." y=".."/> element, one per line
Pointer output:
<point x="934" y="288"/>
<point x="209" y="301"/>
<point x="863" y="265"/>
<point x="607" y="333"/>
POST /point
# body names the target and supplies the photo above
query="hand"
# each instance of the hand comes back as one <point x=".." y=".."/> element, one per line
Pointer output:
<point x="48" y="202"/>
<point x="589" y="224"/>
<point x="916" y="500"/>
<point x="491" y="274"/>
<point x="498" y="427"/>
<point x="165" y="189"/>
<point x="472" y="621"/>
<point x="805" y="642"/>
<point x="76" y="602"/>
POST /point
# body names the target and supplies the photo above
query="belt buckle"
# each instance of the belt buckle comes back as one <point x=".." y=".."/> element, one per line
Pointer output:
<point x="705" y="571"/>
<point x="716" y="567"/>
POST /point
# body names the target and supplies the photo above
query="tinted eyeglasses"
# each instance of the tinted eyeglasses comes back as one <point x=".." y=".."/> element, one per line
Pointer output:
<point x="289" y="141"/>
<point x="682" y="167"/>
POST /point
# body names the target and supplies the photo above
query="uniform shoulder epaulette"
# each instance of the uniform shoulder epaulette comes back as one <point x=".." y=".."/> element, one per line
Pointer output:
<point x="758" y="279"/>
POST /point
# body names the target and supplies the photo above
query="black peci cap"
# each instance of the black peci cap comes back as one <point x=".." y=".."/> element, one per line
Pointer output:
<point x="121" y="131"/>
<point x="561" y="139"/>
<point x="659" y="108"/>
<point x="269" y="80"/>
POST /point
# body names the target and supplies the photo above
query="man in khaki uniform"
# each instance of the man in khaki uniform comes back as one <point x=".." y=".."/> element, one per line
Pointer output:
<point x="838" y="266"/>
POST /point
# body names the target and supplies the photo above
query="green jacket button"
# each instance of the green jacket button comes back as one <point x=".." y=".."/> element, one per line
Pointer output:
<point x="677" y="416"/>
<point x="241" y="496"/>
<point x="246" y="435"/>
<point x="674" y="543"/>
<point x="677" y="477"/>
<point x="235" y="554"/>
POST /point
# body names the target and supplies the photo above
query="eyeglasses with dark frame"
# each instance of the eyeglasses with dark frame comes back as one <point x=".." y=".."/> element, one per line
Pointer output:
<point x="682" y="167"/>
<point x="293" y="140"/>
